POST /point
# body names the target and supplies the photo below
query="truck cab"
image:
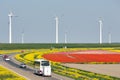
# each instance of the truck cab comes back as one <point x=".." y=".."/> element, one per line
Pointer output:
<point x="42" y="67"/>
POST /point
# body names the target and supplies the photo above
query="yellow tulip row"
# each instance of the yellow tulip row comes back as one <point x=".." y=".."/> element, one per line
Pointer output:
<point x="5" y="74"/>
<point x="9" y="51"/>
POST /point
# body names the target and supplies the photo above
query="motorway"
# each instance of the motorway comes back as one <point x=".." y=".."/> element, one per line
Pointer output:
<point x="13" y="65"/>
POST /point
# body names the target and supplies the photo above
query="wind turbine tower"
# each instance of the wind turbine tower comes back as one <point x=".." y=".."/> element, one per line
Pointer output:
<point x="56" y="19"/>
<point x="109" y="38"/>
<point x="65" y="37"/>
<point x="10" y="15"/>
<point x="101" y="26"/>
<point x="22" y="37"/>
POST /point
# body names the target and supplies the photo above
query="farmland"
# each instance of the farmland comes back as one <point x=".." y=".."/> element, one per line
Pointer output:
<point x="57" y="54"/>
<point x="77" y="74"/>
<point x="12" y="46"/>
<point x="108" y="69"/>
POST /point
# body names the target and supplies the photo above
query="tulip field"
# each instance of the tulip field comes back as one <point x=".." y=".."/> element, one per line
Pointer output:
<point x="73" y="55"/>
<point x="85" y="56"/>
<point x="76" y="53"/>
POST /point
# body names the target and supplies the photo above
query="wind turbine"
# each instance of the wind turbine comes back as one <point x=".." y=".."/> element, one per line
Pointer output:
<point x="10" y="15"/>
<point x="65" y="37"/>
<point x="101" y="26"/>
<point x="57" y="23"/>
<point x="109" y="38"/>
<point x="22" y="37"/>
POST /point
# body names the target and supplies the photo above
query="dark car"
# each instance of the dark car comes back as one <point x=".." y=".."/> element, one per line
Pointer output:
<point x="23" y="65"/>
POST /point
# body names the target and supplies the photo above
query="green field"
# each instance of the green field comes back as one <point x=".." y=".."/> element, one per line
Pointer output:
<point x="4" y="46"/>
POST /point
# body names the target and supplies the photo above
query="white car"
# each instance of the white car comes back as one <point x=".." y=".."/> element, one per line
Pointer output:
<point x="1" y="55"/>
<point x="7" y="59"/>
<point x="23" y="65"/>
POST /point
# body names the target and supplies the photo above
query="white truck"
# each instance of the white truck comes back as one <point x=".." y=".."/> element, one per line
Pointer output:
<point x="42" y="67"/>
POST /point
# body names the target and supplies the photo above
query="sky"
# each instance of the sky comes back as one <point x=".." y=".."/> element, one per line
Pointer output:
<point x="79" y="19"/>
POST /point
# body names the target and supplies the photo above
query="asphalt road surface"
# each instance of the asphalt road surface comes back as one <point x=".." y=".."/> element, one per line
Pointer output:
<point x="28" y="72"/>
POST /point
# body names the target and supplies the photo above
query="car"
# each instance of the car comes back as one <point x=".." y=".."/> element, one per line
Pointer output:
<point x="23" y="65"/>
<point x="6" y="57"/>
<point x="1" y="55"/>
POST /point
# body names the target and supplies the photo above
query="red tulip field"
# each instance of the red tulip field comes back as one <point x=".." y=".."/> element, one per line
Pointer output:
<point x="84" y="56"/>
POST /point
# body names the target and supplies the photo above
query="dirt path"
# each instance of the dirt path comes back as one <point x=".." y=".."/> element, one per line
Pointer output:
<point x="107" y="69"/>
